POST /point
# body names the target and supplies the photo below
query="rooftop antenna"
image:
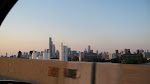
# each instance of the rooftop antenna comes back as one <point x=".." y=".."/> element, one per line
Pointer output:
<point x="50" y="36"/>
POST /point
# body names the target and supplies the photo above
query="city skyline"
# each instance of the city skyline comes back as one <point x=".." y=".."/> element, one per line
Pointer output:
<point x="104" y="25"/>
<point x="88" y="49"/>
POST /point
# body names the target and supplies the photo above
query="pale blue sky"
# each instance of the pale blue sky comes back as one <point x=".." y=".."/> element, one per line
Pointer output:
<point x="106" y="25"/>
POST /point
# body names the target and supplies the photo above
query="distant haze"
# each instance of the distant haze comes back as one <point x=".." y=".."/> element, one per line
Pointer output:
<point x="106" y="25"/>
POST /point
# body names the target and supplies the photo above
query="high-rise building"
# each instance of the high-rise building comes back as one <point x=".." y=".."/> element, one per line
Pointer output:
<point x="141" y="51"/>
<point x="114" y="55"/>
<point x="50" y="47"/>
<point x="47" y="50"/>
<point x="97" y="52"/>
<point x="146" y="54"/>
<point x="128" y="51"/>
<point x="116" y="52"/>
<point x="39" y="57"/>
<point x="65" y="53"/>
<point x="89" y="49"/>
<point x="61" y="50"/>
<point x="45" y="56"/>
<point x="146" y="50"/>
<point x="110" y="56"/>
<point x="85" y="50"/>
<point x="125" y="51"/>
<point x="137" y="51"/>
<point x="57" y="54"/>
<point x="6" y="54"/>
<point x="74" y="53"/>
<point x="41" y="53"/>
<point x="19" y="54"/>
<point x="53" y="50"/>
<point x="34" y="55"/>
<point x="84" y="54"/>
<point x="63" y="56"/>
<point x="69" y="51"/>
<point x="80" y="56"/>
<point x="121" y="52"/>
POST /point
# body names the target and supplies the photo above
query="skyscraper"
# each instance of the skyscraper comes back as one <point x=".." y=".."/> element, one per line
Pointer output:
<point x="57" y="54"/>
<point x="50" y="47"/>
<point x="125" y="51"/>
<point x="61" y="50"/>
<point x="34" y="55"/>
<point x="53" y="50"/>
<point x="6" y="54"/>
<point x="69" y="51"/>
<point x="128" y="51"/>
<point x="45" y="56"/>
<point x="63" y="53"/>
<point x="146" y="50"/>
<point x="97" y="52"/>
<point x="89" y="49"/>
<point x="137" y="51"/>
<point x="80" y="56"/>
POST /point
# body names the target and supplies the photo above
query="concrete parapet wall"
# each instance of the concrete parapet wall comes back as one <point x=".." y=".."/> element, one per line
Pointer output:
<point x="84" y="69"/>
<point x="36" y="72"/>
<point x="107" y="73"/>
<point x="31" y="71"/>
<point x="135" y="74"/>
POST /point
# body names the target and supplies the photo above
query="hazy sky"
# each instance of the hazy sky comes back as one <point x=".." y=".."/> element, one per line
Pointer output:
<point x="106" y="25"/>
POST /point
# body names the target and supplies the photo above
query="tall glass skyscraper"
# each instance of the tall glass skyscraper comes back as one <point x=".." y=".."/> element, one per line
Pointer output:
<point x="89" y="49"/>
<point x="50" y="46"/>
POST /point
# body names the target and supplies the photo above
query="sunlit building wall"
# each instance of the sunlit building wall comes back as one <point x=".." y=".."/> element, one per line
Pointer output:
<point x="40" y="57"/>
<point x="80" y="56"/>
<point x="34" y="55"/>
<point x="110" y="56"/>
<point x="61" y="52"/>
<point x="63" y="56"/>
<point x="45" y="56"/>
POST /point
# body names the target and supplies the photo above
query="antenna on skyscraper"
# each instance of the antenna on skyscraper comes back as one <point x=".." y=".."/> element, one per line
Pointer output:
<point x="50" y="36"/>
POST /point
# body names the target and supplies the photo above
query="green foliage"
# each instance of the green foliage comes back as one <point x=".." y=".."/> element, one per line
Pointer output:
<point x="100" y="60"/>
<point x="115" y="60"/>
<point x="136" y="61"/>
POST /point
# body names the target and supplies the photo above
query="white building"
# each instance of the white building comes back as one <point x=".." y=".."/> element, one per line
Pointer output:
<point x="34" y="55"/>
<point x="63" y="56"/>
<point x="80" y="57"/>
<point x="45" y="56"/>
<point x="40" y="58"/>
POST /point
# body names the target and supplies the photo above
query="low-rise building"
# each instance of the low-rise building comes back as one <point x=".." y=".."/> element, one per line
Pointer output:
<point x="90" y="57"/>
